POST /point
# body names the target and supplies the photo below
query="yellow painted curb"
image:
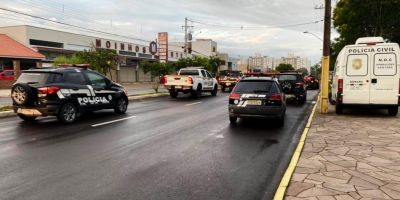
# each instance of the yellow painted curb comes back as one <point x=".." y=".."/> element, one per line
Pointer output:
<point x="280" y="192"/>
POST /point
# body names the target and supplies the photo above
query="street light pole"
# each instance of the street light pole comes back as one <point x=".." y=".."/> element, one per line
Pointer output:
<point x="325" y="59"/>
<point x="316" y="36"/>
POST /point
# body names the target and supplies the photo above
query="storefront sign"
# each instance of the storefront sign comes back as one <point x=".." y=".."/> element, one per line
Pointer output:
<point x="153" y="48"/>
<point x="163" y="46"/>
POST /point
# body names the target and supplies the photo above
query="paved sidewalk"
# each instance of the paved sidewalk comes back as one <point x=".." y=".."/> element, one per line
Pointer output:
<point x="349" y="157"/>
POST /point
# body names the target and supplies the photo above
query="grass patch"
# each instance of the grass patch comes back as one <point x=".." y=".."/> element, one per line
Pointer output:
<point x="5" y="108"/>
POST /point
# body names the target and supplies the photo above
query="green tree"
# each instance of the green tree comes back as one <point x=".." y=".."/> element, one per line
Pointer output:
<point x="156" y="70"/>
<point x="211" y="63"/>
<point x="303" y="71"/>
<point x="365" y="18"/>
<point x="284" y="67"/>
<point x="101" y="60"/>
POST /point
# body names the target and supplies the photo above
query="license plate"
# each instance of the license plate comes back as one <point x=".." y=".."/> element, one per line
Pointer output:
<point x="228" y="84"/>
<point x="356" y="87"/>
<point x="254" y="102"/>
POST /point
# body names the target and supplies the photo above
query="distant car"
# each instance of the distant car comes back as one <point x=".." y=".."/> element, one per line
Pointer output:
<point x="311" y="82"/>
<point x="65" y="93"/>
<point x="194" y="80"/>
<point x="257" y="97"/>
<point x="228" y="79"/>
<point x="293" y="86"/>
<point x="7" y="75"/>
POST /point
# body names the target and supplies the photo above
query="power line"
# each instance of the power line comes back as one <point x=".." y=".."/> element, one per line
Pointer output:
<point x="255" y="27"/>
<point x="71" y="25"/>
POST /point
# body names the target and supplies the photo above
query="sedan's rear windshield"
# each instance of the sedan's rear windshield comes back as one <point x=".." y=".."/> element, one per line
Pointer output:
<point x="287" y="77"/>
<point x="255" y="86"/>
<point x="38" y="78"/>
<point x="189" y="72"/>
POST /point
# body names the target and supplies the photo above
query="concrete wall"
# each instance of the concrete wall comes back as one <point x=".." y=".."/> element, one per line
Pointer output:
<point x="18" y="33"/>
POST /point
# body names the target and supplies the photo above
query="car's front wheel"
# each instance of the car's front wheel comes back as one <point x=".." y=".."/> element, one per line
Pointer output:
<point x="68" y="113"/>
<point x="27" y="118"/>
<point x="121" y="106"/>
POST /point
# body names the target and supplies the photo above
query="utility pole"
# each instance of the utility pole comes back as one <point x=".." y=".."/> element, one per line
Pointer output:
<point x="186" y="36"/>
<point x="325" y="59"/>
<point x="186" y="26"/>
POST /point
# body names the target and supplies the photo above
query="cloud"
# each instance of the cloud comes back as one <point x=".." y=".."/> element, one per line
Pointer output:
<point x="144" y="19"/>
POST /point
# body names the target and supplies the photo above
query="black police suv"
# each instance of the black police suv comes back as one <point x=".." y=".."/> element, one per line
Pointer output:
<point x="65" y="93"/>
<point x="257" y="97"/>
<point x="293" y="86"/>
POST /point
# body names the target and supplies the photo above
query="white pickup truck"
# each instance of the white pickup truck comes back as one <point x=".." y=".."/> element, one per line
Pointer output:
<point x="191" y="79"/>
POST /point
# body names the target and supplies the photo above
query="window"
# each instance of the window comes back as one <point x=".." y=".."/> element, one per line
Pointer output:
<point x="189" y="72"/>
<point x="208" y="75"/>
<point x="46" y="43"/>
<point x="96" y="79"/>
<point x="385" y="64"/>
<point x="74" y="78"/>
<point x="253" y="86"/>
<point x="203" y="73"/>
<point x="172" y="54"/>
<point x="8" y="73"/>
<point x="357" y="65"/>
<point x="287" y="77"/>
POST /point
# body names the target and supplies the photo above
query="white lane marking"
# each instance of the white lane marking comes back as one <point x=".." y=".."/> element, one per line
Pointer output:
<point x="113" y="121"/>
<point x="191" y="104"/>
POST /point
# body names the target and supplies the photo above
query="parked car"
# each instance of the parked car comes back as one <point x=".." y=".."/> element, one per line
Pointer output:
<point x="7" y="75"/>
<point x="311" y="82"/>
<point x="65" y="93"/>
<point x="367" y="74"/>
<point x="257" y="97"/>
<point x="228" y="79"/>
<point x="194" y="80"/>
<point x="293" y="86"/>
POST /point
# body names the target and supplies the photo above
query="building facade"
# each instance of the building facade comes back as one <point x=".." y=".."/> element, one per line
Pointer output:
<point x="53" y="43"/>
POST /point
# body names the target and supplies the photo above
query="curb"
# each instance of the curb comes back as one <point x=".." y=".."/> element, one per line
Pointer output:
<point x="145" y="96"/>
<point x="280" y="192"/>
<point x="7" y="114"/>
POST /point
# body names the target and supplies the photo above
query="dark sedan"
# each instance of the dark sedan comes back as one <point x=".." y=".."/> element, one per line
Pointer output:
<point x="257" y="97"/>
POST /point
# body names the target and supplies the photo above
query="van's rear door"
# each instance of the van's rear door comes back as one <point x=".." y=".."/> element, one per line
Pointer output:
<point x="385" y="75"/>
<point x="356" y="85"/>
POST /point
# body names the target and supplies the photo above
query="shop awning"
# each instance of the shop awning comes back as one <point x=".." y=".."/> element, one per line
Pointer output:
<point x="10" y="48"/>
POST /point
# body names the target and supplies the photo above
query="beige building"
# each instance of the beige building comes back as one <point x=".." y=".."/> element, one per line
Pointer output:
<point x="52" y="43"/>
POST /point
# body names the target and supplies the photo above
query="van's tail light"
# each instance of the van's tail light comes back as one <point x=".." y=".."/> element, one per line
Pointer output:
<point x="340" y="91"/>
<point x="48" y="90"/>
<point x="234" y="96"/>
<point x="340" y="86"/>
<point x="190" y="80"/>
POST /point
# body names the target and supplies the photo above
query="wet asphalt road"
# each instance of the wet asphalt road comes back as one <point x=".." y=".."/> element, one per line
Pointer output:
<point x="164" y="149"/>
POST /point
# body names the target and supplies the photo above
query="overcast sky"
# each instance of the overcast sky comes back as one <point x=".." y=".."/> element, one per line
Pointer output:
<point x="264" y="21"/>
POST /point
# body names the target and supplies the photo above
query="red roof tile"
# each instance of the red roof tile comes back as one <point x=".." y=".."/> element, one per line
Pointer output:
<point x="10" y="48"/>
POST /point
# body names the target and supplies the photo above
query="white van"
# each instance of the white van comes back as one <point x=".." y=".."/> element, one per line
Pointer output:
<point x="367" y="74"/>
